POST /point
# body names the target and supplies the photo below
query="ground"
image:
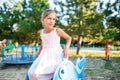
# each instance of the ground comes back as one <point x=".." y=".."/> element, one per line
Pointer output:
<point x="96" y="67"/>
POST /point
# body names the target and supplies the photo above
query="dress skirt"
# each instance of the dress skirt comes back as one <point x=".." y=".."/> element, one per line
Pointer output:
<point x="44" y="66"/>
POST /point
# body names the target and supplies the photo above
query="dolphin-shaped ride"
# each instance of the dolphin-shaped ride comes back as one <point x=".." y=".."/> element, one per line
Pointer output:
<point x="68" y="71"/>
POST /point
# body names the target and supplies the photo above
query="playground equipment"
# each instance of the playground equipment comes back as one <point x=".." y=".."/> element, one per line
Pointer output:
<point x="107" y="57"/>
<point x="68" y="71"/>
<point x="19" y="54"/>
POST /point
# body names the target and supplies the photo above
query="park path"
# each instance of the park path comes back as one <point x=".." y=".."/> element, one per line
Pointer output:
<point x="93" y="49"/>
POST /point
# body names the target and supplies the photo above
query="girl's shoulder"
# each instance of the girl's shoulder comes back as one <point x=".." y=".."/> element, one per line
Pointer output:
<point x="59" y="31"/>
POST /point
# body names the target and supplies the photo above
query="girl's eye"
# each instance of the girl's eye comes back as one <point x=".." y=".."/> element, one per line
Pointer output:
<point x="52" y="19"/>
<point x="48" y="18"/>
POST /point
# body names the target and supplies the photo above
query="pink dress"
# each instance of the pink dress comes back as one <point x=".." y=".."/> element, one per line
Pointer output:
<point x="50" y="57"/>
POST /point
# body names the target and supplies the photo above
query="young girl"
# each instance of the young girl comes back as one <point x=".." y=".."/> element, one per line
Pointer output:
<point x="50" y="51"/>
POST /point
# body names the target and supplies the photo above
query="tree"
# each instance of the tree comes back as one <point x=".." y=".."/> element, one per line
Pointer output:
<point x="31" y="23"/>
<point x="112" y="18"/>
<point x="82" y="18"/>
<point x="7" y="19"/>
<point x="26" y="16"/>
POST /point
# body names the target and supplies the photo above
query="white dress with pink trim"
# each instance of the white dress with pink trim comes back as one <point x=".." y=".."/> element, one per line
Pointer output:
<point x="50" y="57"/>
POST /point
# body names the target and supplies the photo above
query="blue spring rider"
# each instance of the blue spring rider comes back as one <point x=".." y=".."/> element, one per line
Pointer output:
<point x="68" y="71"/>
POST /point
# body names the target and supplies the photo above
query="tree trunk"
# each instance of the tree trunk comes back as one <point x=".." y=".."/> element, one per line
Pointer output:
<point x="80" y="15"/>
<point x="79" y="44"/>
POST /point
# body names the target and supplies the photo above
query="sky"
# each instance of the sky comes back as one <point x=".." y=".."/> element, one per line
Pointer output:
<point x="111" y="1"/>
<point x="10" y="2"/>
<point x="51" y="3"/>
<point x="2" y="1"/>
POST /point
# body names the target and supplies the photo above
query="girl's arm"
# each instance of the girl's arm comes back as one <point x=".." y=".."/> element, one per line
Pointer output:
<point x="68" y="41"/>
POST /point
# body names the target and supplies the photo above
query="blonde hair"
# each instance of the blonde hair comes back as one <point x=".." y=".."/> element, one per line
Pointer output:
<point x="47" y="12"/>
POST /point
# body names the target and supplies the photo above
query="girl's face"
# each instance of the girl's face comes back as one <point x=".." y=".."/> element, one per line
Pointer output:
<point x="49" y="21"/>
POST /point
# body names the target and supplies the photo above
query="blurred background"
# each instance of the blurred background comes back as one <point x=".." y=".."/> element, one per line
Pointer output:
<point x="89" y="22"/>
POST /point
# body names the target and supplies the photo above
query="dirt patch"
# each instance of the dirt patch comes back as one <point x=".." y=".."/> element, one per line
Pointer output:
<point x="95" y="69"/>
<point x="13" y="72"/>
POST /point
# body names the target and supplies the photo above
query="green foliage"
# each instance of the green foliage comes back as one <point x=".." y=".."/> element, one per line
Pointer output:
<point x="82" y="19"/>
<point x="112" y="22"/>
<point x="79" y="18"/>
<point x="31" y="24"/>
<point x="111" y="33"/>
<point x="26" y="14"/>
<point x="92" y="17"/>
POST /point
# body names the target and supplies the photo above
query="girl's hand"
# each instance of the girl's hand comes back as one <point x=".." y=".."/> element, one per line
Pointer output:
<point x="65" y="51"/>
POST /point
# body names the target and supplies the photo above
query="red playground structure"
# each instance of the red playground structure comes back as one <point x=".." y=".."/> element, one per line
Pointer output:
<point x="107" y="57"/>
